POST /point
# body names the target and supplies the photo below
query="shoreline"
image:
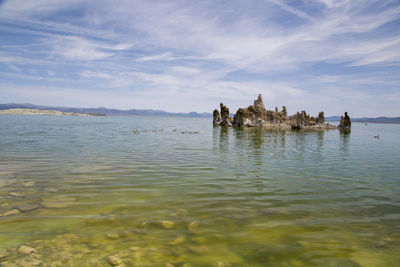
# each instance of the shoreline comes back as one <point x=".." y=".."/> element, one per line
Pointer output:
<point x="26" y="111"/>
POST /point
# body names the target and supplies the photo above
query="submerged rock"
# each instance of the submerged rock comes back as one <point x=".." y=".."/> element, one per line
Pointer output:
<point x="258" y="115"/>
<point x="16" y="194"/>
<point x="114" y="260"/>
<point x="26" y="250"/>
<point x="167" y="224"/>
<point x="27" y="207"/>
<point x="12" y="212"/>
<point x="112" y="236"/>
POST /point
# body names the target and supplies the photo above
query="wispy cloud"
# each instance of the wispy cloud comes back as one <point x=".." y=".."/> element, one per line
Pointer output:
<point x="160" y="57"/>
<point x="292" y="10"/>
<point x="75" y="48"/>
<point x="208" y="50"/>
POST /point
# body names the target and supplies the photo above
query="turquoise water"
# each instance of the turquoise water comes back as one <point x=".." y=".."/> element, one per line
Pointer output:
<point x="170" y="197"/>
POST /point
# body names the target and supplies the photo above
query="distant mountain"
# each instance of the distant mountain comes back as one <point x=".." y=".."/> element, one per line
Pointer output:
<point x="370" y="120"/>
<point x="334" y="118"/>
<point x="105" y="111"/>
<point x="378" y="120"/>
<point x="152" y="112"/>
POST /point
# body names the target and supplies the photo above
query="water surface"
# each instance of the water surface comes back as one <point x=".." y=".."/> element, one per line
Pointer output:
<point x="222" y="197"/>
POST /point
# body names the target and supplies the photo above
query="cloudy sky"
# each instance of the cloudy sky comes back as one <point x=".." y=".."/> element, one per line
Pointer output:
<point x="187" y="55"/>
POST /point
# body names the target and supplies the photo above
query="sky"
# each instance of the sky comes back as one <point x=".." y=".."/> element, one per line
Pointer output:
<point x="183" y="56"/>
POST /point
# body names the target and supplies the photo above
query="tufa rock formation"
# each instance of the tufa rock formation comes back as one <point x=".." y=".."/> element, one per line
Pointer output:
<point x="345" y="122"/>
<point x="226" y="120"/>
<point x="258" y="115"/>
<point x="321" y="117"/>
<point x="216" y="117"/>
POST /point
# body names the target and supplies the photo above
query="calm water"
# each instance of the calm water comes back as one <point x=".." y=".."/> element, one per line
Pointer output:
<point x="223" y="197"/>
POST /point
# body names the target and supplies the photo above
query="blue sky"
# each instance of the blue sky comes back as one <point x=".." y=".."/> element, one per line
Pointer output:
<point x="183" y="56"/>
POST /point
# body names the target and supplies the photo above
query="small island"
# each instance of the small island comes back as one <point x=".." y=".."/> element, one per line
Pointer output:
<point x="257" y="115"/>
<point x="27" y="111"/>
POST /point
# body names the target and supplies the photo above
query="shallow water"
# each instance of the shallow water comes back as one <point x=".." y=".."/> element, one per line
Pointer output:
<point x="222" y="197"/>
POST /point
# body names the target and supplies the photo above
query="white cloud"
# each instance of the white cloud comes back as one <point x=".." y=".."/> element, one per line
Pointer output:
<point x="75" y="48"/>
<point x="178" y="49"/>
<point x="167" y="56"/>
<point x="292" y="10"/>
<point x="92" y="74"/>
<point x="78" y="48"/>
<point x="35" y="7"/>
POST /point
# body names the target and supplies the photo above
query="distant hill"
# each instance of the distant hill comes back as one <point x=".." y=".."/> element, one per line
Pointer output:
<point x="105" y="111"/>
<point x="368" y="120"/>
<point x="152" y="112"/>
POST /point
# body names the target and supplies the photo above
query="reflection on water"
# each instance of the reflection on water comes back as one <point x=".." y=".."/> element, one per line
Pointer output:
<point x="88" y="192"/>
<point x="344" y="139"/>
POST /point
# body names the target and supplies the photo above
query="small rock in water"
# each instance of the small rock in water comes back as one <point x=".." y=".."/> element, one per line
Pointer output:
<point x="27" y="207"/>
<point x="16" y="194"/>
<point x="26" y="250"/>
<point x="12" y="212"/>
<point x="167" y="224"/>
<point x="112" y="236"/>
<point x="114" y="260"/>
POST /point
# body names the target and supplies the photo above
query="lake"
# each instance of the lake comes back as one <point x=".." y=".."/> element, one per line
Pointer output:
<point x="88" y="191"/>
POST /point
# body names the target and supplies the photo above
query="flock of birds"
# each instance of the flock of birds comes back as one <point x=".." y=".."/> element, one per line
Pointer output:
<point x="136" y="131"/>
